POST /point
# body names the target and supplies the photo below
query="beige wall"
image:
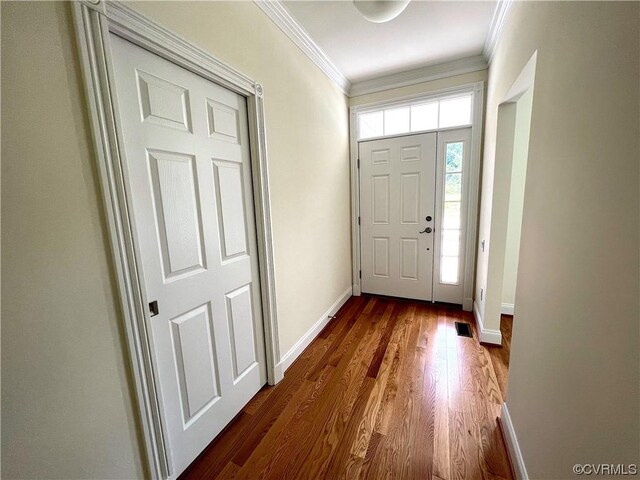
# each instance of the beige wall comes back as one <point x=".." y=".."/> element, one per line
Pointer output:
<point x="425" y="87"/>
<point x="66" y="396"/>
<point x="516" y="196"/>
<point x="573" y="383"/>
<point x="67" y="408"/>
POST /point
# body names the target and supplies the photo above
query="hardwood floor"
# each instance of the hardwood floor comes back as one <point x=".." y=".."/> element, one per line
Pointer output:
<point x="500" y="355"/>
<point x="386" y="391"/>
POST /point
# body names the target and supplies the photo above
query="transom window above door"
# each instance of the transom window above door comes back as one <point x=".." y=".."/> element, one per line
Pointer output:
<point x="446" y="112"/>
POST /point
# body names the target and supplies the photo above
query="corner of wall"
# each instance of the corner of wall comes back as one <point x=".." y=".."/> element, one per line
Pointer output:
<point x="507" y="309"/>
<point x="487" y="335"/>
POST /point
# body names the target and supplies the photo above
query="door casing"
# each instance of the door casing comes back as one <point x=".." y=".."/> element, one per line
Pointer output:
<point x="94" y="20"/>
<point x="477" y="89"/>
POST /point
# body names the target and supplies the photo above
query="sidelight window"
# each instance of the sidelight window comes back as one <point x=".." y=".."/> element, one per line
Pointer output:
<point x="451" y="215"/>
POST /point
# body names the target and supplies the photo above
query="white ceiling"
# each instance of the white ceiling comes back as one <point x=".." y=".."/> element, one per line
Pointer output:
<point x="426" y="33"/>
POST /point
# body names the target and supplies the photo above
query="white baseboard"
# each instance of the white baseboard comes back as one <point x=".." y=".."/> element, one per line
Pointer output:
<point x="467" y="304"/>
<point x="356" y="291"/>
<point x="486" y="335"/>
<point x="278" y="374"/>
<point x="507" y="309"/>
<point x="289" y="357"/>
<point x="512" y="444"/>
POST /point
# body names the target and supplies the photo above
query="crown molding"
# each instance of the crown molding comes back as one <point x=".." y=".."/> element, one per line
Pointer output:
<point x="419" y="75"/>
<point x="292" y="29"/>
<point x="495" y="30"/>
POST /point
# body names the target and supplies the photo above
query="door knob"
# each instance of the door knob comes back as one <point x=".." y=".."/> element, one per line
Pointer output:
<point x="427" y="230"/>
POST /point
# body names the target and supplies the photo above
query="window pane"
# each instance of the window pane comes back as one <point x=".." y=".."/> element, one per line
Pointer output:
<point x="450" y="243"/>
<point x="456" y="111"/>
<point x="451" y="216"/>
<point x="370" y="125"/>
<point x="396" y="121"/>
<point x="450" y="247"/>
<point x="453" y="158"/>
<point x="424" y="117"/>
<point x="449" y="270"/>
<point x="453" y="187"/>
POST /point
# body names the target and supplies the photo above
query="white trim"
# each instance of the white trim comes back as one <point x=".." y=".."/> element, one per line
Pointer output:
<point x="486" y="335"/>
<point x="355" y="201"/>
<point x="467" y="304"/>
<point x="418" y="132"/>
<point x="495" y="30"/>
<point x="474" y="195"/>
<point x="512" y="444"/>
<point x="313" y="332"/>
<point x="419" y="75"/>
<point x="292" y="29"/>
<point x="138" y="29"/>
<point x="524" y="82"/>
<point x="507" y="309"/>
<point x="474" y="173"/>
<point x="405" y="100"/>
<point x="94" y="21"/>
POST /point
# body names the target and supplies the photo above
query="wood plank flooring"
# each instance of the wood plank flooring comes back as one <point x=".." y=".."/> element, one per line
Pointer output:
<point x="386" y="391"/>
<point x="500" y="355"/>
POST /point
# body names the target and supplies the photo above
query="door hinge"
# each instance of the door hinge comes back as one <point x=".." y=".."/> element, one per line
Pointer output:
<point x="358" y="220"/>
<point x="360" y="273"/>
<point x="358" y="163"/>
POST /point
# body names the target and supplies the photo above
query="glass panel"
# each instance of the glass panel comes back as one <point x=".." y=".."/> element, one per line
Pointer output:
<point x="447" y="113"/>
<point x="450" y="242"/>
<point x="449" y="270"/>
<point x="451" y="216"/>
<point x="424" y="117"/>
<point x="454" y="112"/>
<point x="371" y="125"/>
<point x="396" y="121"/>
<point x="453" y="187"/>
<point x="454" y="155"/>
<point x="450" y="247"/>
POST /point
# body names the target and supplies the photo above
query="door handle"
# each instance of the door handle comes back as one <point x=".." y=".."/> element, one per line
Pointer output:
<point x="427" y="230"/>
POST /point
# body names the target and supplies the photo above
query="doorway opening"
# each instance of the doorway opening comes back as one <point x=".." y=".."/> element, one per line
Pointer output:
<point x="522" y="124"/>
<point x="498" y="254"/>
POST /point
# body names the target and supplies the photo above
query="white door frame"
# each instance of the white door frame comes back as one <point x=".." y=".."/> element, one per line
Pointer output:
<point x="94" y="21"/>
<point x="477" y="89"/>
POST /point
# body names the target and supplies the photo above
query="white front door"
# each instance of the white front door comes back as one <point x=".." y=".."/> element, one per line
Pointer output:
<point x="397" y="207"/>
<point x="187" y="168"/>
